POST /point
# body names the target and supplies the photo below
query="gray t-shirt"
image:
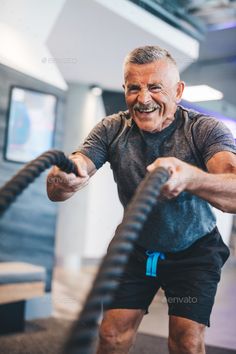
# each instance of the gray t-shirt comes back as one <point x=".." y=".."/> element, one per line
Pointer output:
<point x="192" y="137"/>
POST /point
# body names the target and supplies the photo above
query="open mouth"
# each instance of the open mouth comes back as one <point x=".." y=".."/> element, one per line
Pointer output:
<point x="146" y="109"/>
<point x="149" y="110"/>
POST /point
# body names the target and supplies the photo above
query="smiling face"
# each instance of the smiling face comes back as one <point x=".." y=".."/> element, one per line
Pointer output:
<point x="152" y="92"/>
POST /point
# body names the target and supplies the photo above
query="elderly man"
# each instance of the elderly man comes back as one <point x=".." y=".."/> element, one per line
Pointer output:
<point x="180" y="236"/>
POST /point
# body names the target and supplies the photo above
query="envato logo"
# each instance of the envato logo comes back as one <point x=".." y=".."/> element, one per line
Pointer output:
<point x="182" y="300"/>
<point x="47" y="60"/>
<point x="60" y="180"/>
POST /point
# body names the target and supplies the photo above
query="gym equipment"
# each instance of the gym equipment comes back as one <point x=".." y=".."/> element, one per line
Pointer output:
<point x="82" y="336"/>
<point x="29" y="172"/>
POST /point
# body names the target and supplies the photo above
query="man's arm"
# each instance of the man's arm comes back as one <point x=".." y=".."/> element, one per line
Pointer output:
<point x="61" y="185"/>
<point x="218" y="187"/>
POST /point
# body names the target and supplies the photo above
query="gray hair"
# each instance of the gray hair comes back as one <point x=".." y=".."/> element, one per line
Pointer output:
<point x="148" y="54"/>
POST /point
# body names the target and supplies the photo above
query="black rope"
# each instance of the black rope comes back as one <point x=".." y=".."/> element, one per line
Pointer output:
<point x="10" y="191"/>
<point x="84" y="332"/>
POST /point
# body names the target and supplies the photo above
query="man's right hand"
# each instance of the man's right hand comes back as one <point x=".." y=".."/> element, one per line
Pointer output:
<point x="62" y="185"/>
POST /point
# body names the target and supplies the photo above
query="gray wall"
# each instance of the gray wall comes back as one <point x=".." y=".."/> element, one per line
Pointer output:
<point x="27" y="229"/>
<point x="72" y="215"/>
<point x="83" y="228"/>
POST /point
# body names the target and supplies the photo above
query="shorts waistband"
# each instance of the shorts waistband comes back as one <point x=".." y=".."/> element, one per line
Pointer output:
<point x="205" y="237"/>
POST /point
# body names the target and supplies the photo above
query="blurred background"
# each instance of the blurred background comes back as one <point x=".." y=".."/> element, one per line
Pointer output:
<point x="60" y="73"/>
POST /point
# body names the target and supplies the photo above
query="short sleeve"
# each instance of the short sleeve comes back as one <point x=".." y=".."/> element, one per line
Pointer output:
<point x="213" y="136"/>
<point x="95" y="145"/>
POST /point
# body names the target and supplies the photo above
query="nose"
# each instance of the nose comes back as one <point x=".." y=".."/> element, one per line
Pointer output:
<point x="144" y="96"/>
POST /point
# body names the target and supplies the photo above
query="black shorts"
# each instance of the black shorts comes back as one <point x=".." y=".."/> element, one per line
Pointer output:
<point x="189" y="279"/>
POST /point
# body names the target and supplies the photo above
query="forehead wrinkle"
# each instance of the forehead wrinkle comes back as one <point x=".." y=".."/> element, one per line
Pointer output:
<point x="169" y="72"/>
<point x="148" y="84"/>
<point x="141" y="81"/>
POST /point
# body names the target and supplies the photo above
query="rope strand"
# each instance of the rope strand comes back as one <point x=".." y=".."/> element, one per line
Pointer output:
<point x="82" y="336"/>
<point x="17" y="184"/>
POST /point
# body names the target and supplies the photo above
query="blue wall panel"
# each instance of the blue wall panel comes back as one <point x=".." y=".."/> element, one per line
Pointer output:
<point x="27" y="229"/>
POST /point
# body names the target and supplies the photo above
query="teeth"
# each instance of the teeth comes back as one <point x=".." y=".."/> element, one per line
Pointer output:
<point x="146" y="110"/>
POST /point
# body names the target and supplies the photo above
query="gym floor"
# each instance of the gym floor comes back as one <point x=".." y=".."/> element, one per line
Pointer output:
<point x="70" y="290"/>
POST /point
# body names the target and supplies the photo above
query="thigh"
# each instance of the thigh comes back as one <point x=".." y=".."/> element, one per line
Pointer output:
<point x="191" y="295"/>
<point x="190" y="278"/>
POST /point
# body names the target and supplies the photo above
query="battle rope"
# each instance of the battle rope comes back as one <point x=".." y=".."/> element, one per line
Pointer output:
<point x="29" y="172"/>
<point x="83" y="333"/>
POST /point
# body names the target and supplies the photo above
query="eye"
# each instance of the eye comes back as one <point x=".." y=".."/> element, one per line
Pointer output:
<point x="155" y="88"/>
<point x="133" y="89"/>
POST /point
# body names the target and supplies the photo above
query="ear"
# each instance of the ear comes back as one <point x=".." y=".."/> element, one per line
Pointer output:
<point x="180" y="90"/>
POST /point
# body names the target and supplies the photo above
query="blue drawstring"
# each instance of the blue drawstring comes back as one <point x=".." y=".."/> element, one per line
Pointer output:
<point x="151" y="265"/>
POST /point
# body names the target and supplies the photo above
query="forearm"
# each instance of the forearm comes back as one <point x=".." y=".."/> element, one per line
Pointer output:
<point x="218" y="186"/>
<point x="218" y="189"/>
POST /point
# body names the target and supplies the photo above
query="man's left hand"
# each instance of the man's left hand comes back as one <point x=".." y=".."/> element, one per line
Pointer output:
<point x="182" y="175"/>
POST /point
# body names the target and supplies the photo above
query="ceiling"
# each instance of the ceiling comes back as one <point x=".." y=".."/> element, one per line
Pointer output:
<point x="91" y="38"/>
<point x="194" y="17"/>
<point x="216" y="65"/>
<point x="94" y="41"/>
<point x="214" y="13"/>
<point x="215" y="22"/>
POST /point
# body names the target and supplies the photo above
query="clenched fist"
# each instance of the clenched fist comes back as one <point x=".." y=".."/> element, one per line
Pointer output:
<point x="183" y="175"/>
<point x="62" y="185"/>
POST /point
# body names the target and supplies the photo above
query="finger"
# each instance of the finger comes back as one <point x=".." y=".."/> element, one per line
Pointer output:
<point x="79" y="181"/>
<point x="167" y="194"/>
<point x="76" y="187"/>
<point x="159" y="163"/>
<point x="61" y="178"/>
<point x="172" y="188"/>
<point x="172" y="182"/>
<point x="82" y="172"/>
<point x="152" y="166"/>
<point x="84" y="184"/>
